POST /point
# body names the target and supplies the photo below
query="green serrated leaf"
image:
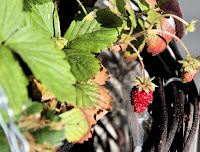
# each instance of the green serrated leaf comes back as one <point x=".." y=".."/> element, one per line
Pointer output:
<point x="86" y="95"/>
<point x="76" y="124"/>
<point x="45" y="61"/>
<point x="144" y="6"/>
<point x="110" y="21"/>
<point x="120" y="5"/>
<point x="78" y="28"/>
<point x="54" y="137"/>
<point x="10" y="18"/>
<point x="3" y="142"/>
<point x="83" y="64"/>
<point x="12" y="79"/>
<point x="94" y="41"/>
<point x="42" y="15"/>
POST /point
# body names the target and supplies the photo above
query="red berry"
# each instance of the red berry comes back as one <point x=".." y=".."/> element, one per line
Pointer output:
<point x="141" y="100"/>
<point x="188" y="76"/>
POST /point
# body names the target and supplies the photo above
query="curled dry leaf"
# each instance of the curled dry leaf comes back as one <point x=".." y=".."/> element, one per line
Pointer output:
<point x="79" y="122"/>
<point x="102" y="107"/>
<point x="117" y="48"/>
<point x="102" y="76"/>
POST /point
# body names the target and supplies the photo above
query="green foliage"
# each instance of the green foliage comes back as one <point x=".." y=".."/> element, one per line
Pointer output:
<point x="140" y="42"/>
<point x="76" y="125"/>
<point x="94" y="41"/>
<point x="132" y="14"/>
<point x="83" y="64"/>
<point x="54" y="137"/>
<point x="110" y="21"/>
<point x="120" y="6"/>
<point x="78" y="28"/>
<point x="42" y="13"/>
<point x="86" y="94"/>
<point x="4" y="146"/>
<point x="144" y="5"/>
<point x="45" y="61"/>
<point x="12" y="79"/>
<point x="10" y="18"/>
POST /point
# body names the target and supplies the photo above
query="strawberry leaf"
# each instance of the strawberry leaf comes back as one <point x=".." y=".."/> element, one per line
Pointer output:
<point x="12" y="80"/>
<point x="144" y="6"/>
<point x="45" y="61"/>
<point x="42" y="14"/>
<point x="110" y="21"/>
<point x="118" y="6"/>
<point x="78" y="28"/>
<point x="10" y="18"/>
<point x="157" y="43"/>
<point x="94" y="41"/>
<point x="83" y="64"/>
<point x="86" y="94"/>
<point x="76" y="125"/>
<point x="89" y="95"/>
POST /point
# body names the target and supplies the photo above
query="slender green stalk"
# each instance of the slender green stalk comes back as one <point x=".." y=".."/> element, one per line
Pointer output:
<point x="141" y="60"/>
<point x="84" y="10"/>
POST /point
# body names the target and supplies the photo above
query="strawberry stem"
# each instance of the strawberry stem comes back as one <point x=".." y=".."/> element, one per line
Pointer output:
<point x="83" y="8"/>
<point x="141" y="60"/>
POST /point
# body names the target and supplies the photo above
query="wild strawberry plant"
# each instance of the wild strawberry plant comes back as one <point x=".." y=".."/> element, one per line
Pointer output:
<point x="64" y="70"/>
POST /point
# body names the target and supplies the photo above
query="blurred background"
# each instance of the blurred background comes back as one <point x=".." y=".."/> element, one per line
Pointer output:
<point x="191" y="11"/>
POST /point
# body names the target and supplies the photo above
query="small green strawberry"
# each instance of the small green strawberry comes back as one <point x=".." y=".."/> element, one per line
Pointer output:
<point x="142" y="94"/>
<point x="189" y="69"/>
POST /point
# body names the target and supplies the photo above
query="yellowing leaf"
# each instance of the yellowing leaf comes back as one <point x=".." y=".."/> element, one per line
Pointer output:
<point x="102" y="76"/>
<point x="76" y="125"/>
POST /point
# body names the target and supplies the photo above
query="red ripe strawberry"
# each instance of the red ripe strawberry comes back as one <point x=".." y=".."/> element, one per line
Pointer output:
<point x="142" y="94"/>
<point x="189" y="69"/>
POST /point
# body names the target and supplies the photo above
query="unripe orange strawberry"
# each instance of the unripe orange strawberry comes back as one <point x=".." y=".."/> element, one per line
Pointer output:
<point x="189" y="69"/>
<point x="142" y="94"/>
<point x="188" y="76"/>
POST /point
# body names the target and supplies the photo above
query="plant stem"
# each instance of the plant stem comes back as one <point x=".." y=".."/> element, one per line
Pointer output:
<point x="84" y="10"/>
<point x="140" y="58"/>
<point x="178" y="18"/>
